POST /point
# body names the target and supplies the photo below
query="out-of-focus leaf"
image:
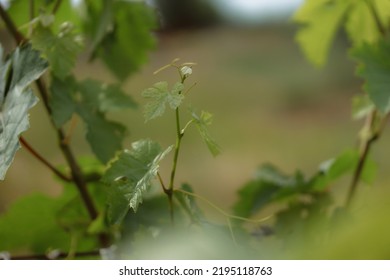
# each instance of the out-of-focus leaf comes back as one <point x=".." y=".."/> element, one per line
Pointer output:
<point x="16" y="98"/>
<point x="91" y="100"/>
<point x="120" y="32"/>
<point x="362" y="106"/>
<point x="129" y="177"/>
<point x="374" y="68"/>
<point x="268" y="186"/>
<point x="160" y="95"/>
<point x="320" y="20"/>
<point x="60" y="49"/>
<point x="202" y="122"/>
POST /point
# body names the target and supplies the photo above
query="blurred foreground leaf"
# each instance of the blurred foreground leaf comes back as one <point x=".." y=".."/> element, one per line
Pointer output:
<point x="16" y="98"/>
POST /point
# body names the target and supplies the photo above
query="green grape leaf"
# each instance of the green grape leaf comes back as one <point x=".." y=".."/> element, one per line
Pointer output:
<point x="320" y="20"/>
<point x="60" y="49"/>
<point x="129" y="177"/>
<point x="121" y="34"/>
<point x="268" y="186"/>
<point x="91" y="100"/>
<point x="202" y="122"/>
<point x="160" y="95"/>
<point x="374" y="68"/>
<point x="61" y="102"/>
<point x="16" y="98"/>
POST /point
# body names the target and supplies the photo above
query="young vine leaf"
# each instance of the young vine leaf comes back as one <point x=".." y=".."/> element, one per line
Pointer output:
<point x="160" y="95"/>
<point x="374" y="68"/>
<point x="23" y="67"/>
<point x="91" y="100"/>
<point x="130" y="175"/>
<point x="59" y="49"/>
<point x="202" y="122"/>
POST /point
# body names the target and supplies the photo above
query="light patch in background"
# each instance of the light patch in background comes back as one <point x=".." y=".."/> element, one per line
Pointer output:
<point x="254" y="11"/>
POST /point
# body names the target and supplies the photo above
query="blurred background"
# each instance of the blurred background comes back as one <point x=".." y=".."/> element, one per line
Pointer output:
<point x="269" y="103"/>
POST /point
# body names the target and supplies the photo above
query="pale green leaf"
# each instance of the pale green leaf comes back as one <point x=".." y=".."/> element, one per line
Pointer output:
<point x="320" y="20"/>
<point x="160" y="96"/>
<point x="60" y="49"/>
<point x="202" y="122"/>
<point x="360" y="25"/>
<point x="374" y="68"/>
<point x="129" y="176"/>
<point x="362" y="106"/>
<point x="24" y="66"/>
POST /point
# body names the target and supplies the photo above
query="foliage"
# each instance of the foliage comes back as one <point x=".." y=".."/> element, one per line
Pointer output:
<point x="120" y="196"/>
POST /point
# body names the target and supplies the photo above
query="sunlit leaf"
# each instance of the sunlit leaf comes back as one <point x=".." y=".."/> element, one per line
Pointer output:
<point x="16" y="98"/>
<point x="129" y="177"/>
<point x="320" y="20"/>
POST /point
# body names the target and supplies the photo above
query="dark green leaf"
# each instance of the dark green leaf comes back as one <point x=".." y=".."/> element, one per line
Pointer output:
<point x="374" y="68"/>
<point x="129" y="177"/>
<point x="189" y="204"/>
<point x="160" y="95"/>
<point x="202" y="122"/>
<point x="60" y="49"/>
<point x="268" y="186"/>
<point x="62" y="102"/>
<point x="24" y="66"/>
<point x="91" y="100"/>
<point x="121" y="34"/>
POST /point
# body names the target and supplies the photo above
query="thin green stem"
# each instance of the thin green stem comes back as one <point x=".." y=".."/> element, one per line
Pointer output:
<point x="374" y="12"/>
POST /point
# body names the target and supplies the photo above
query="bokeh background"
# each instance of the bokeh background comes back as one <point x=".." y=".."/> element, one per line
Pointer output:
<point x="269" y="103"/>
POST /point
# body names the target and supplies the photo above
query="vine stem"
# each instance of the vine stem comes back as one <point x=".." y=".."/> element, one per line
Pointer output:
<point x="43" y="160"/>
<point x="365" y="150"/>
<point x="77" y="175"/>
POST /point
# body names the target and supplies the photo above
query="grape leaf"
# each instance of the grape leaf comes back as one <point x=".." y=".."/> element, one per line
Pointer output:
<point x="121" y="34"/>
<point x="160" y="95"/>
<point x="202" y="121"/>
<point x="91" y="100"/>
<point x="268" y="186"/>
<point x="374" y="68"/>
<point x="320" y="20"/>
<point x="60" y="49"/>
<point x="16" y="98"/>
<point x="129" y="176"/>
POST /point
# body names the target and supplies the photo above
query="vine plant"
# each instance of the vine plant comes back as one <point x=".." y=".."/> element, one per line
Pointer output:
<point x="109" y="199"/>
